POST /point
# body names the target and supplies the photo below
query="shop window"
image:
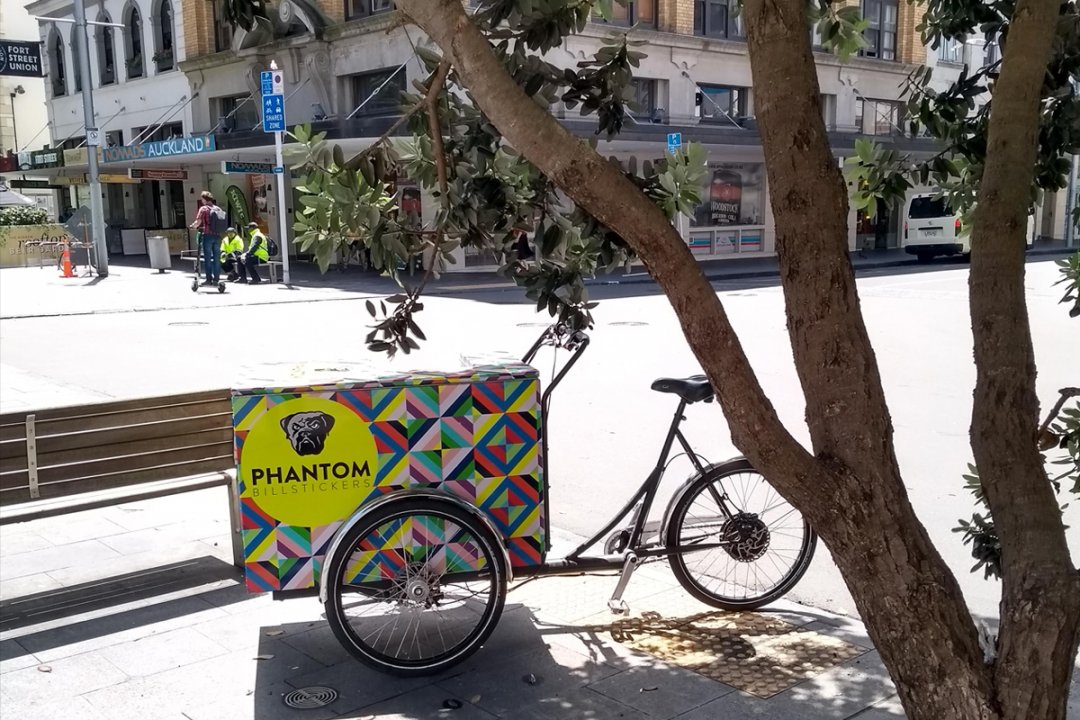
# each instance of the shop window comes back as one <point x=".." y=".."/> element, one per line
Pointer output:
<point x="106" y="51"/>
<point x="722" y="103"/>
<point x="880" y="35"/>
<point x="164" y="58"/>
<point x="237" y="113"/>
<point x="365" y="8"/>
<point x="634" y="12"/>
<point x="716" y="19"/>
<point x="223" y="29"/>
<point x="379" y="91"/>
<point x="57" y="74"/>
<point x="734" y="195"/>
<point x="136" y="66"/>
<point x="951" y="51"/>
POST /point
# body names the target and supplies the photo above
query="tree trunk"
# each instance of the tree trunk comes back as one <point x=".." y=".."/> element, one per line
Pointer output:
<point x="851" y="490"/>
<point x="1040" y="607"/>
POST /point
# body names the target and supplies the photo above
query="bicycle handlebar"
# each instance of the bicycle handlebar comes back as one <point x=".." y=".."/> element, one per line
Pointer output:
<point x="559" y="335"/>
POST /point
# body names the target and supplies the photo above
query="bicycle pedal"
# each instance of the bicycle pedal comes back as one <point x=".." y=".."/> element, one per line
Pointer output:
<point x="618" y="607"/>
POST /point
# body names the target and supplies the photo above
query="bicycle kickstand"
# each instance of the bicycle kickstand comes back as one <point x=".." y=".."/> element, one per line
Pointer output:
<point x="616" y="604"/>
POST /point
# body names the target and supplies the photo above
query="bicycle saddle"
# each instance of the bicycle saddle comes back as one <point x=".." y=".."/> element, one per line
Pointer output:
<point x="692" y="389"/>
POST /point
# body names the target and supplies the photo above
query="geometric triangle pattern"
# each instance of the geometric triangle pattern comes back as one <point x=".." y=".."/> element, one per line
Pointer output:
<point x="475" y="434"/>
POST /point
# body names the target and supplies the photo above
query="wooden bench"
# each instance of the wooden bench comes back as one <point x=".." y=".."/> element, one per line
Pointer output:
<point x="64" y="460"/>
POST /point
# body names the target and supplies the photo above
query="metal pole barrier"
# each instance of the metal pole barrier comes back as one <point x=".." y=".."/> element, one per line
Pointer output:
<point x="97" y="210"/>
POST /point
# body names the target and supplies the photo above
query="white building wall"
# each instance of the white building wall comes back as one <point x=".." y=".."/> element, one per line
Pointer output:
<point x="29" y="117"/>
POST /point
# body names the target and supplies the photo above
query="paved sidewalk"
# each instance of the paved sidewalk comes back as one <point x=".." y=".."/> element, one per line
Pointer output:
<point x="134" y="613"/>
<point x="133" y="287"/>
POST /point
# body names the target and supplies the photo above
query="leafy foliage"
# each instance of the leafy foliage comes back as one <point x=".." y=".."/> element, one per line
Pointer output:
<point x="958" y="117"/>
<point x="1070" y="271"/>
<point x="23" y="215"/>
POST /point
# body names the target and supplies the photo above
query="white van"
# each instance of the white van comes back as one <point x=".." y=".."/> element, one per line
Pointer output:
<point x="931" y="228"/>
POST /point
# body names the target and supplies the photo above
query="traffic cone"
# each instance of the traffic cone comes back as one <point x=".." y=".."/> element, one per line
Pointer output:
<point x="65" y="263"/>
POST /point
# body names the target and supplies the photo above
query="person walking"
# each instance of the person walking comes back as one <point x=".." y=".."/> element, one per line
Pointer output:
<point x="232" y="248"/>
<point x="211" y="222"/>
<point x="258" y="251"/>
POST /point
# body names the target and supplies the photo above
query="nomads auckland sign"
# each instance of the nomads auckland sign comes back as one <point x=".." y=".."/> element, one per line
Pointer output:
<point x="20" y="59"/>
<point x="164" y="148"/>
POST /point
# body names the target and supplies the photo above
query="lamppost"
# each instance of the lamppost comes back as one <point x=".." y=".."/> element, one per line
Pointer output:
<point x="19" y="90"/>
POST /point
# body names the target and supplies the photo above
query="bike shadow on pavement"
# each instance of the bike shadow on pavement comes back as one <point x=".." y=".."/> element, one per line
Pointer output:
<point x="531" y="668"/>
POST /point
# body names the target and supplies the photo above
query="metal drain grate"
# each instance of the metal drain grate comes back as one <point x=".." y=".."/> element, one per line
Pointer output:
<point x="310" y="698"/>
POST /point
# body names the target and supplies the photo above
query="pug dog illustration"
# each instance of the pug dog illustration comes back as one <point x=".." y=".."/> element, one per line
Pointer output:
<point x="307" y="431"/>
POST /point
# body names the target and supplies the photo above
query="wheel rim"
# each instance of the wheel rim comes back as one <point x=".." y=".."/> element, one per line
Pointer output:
<point x="761" y="540"/>
<point x="418" y="589"/>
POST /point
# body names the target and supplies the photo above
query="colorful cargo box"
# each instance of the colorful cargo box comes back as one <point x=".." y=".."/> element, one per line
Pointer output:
<point x="308" y="457"/>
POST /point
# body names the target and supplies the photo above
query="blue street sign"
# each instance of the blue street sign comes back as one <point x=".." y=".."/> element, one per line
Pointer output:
<point x="266" y="80"/>
<point x="273" y="108"/>
<point x="674" y="141"/>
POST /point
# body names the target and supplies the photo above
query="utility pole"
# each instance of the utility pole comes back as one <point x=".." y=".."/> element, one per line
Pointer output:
<point x="97" y="211"/>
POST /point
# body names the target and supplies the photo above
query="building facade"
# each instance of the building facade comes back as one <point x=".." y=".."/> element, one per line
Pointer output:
<point x="177" y="95"/>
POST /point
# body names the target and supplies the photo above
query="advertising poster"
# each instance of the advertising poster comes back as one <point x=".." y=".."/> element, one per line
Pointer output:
<point x="734" y="195"/>
<point x="309" y="457"/>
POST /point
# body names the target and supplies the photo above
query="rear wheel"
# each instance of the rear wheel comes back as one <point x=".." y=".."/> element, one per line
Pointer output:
<point x="757" y="546"/>
<point x="416" y="587"/>
<point x="924" y="257"/>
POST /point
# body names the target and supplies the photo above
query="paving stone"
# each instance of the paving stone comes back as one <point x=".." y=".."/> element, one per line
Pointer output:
<point x="68" y="677"/>
<point x="661" y="692"/>
<point x="68" y="708"/>
<point x="14" y="656"/>
<point x="88" y="553"/>
<point x="15" y="543"/>
<point x="423" y="704"/>
<point x="131" y="542"/>
<point x="319" y="642"/>
<point x="264" y="704"/>
<point x="21" y="587"/>
<point x="116" y="564"/>
<point x="889" y="709"/>
<point x="358" y="686"/>
<point x="76" y="527"/>
<point x="165" y="651"/>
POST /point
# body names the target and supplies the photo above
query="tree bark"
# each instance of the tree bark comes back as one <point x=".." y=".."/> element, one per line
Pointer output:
<point x="850" y="489"/>
<point x="1040" y="606"/>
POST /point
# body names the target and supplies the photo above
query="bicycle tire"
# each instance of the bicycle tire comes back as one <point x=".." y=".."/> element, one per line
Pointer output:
<point x="395" y="581"/>
<point x="745" y="548"/>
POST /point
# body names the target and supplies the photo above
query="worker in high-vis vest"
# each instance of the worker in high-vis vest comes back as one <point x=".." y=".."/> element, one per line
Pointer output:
<point x="257" y="252"/>
<point x="232" y="248"/>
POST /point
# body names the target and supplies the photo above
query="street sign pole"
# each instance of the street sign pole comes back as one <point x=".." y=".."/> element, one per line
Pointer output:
<point x="97" y="210"/>
<point x="273" y="95"/>
<point x="282" y="219"/>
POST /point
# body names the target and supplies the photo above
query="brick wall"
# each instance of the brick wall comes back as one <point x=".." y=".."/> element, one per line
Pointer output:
<point x="909" y="44"/>
<point x="334" y="10"/>
<point x="198" y="29"/>
<point x="676" y="16"/>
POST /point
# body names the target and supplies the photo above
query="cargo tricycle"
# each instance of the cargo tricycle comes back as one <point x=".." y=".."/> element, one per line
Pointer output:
<point x="411" y="502"/>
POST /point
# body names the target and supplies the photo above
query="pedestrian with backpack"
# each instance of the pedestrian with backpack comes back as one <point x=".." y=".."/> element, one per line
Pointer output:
<point x="211" y="222"/>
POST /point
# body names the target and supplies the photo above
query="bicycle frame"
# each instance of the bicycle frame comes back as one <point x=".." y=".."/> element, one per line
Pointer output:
<point x="577" y="562"/>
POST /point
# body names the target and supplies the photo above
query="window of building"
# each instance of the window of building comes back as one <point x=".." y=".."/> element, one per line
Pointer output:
<point x="880" y="36"/>
<point x="136" y="67"/>
<point x="721" y="103"/>
<point x="734" y="195"/>
<point x="634" y="12"/>
<point x="236" y="113"/>
<point x="106" y="51"/>
<point x="57" y="75"/>
<point x="828" y="110"/>
<point x="951" y="50"/>
<point x="383" y="87"/>
<point x="645" y="99"/>
<point x="164" y="57"/>
<point x="991" y="53"/>
<point x="879" y="117"/>
<point x="223" y="29"/>
<point x="76" y="66"/>
<point x="364" y="8"/>
<point x="717" y="19"/>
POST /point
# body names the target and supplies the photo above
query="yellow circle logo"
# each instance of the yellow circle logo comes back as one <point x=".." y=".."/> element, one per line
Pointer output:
<point x="308" y="462"/>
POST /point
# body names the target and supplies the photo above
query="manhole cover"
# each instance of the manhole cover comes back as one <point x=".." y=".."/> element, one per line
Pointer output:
<point x="629" y="323"/>
<point x="310" y="698"/>
<point x="187" y="324"/>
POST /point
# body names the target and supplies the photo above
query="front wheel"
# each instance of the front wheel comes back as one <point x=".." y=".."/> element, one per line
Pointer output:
<point x="416" y="587"/>
<point x="737" y="543"/>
